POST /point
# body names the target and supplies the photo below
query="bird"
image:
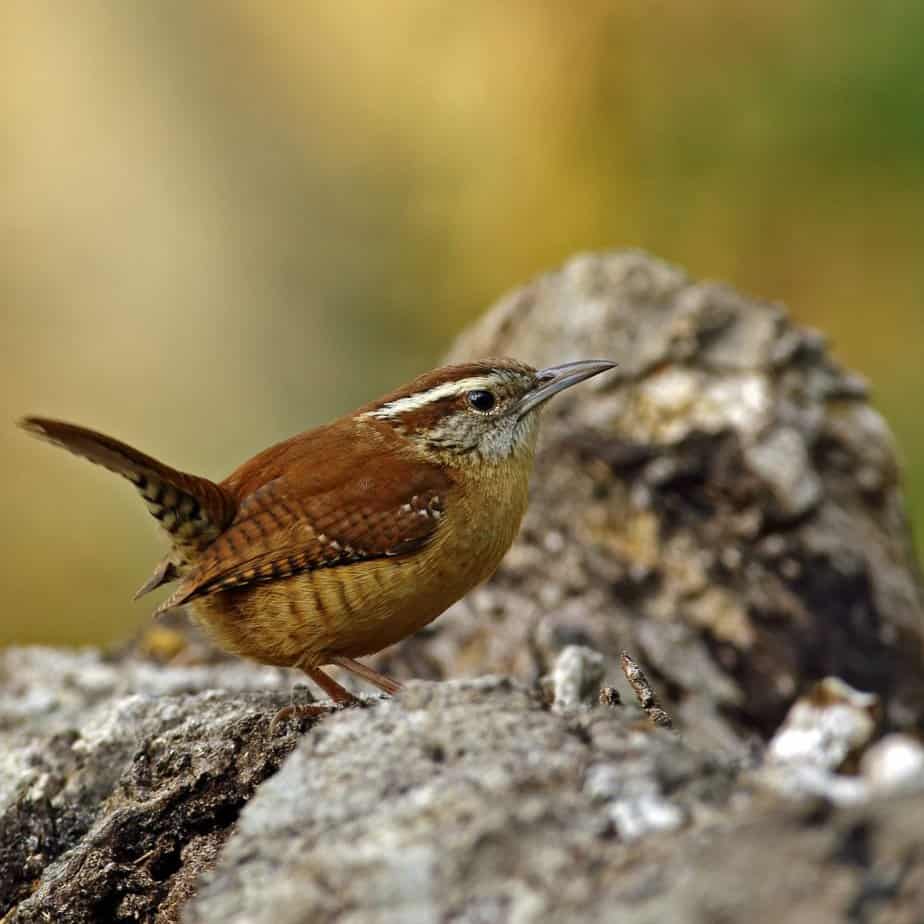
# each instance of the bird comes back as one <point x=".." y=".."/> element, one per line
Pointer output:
<point x="347" y="538"/>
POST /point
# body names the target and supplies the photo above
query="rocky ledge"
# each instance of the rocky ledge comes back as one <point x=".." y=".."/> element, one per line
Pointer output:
<point x="729" y="510"/>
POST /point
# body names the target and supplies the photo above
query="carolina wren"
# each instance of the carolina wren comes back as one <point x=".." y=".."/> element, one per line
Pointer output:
<point x="347" y="538"/>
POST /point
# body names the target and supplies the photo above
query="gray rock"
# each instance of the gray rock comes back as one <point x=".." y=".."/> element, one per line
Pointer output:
<point x="726" y="505"/>
<point x="115" y="788"/>
<point x="467" y="801"/>
<point x="894" y="763"/>
<point x="463" y="801"/>
<point x="577" y="677"/>
<point x="826" y="727"/>
<point x="727" y="509"/>
<point x="823" y="736"/>
<point x="804" y="864"/>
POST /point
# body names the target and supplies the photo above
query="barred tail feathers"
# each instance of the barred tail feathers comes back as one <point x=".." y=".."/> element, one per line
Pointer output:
<point x="192" y="510"/>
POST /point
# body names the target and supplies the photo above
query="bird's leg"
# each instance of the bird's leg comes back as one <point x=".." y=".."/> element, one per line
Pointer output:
<point x="367" y="673"/>
<point x="340" y="695"/>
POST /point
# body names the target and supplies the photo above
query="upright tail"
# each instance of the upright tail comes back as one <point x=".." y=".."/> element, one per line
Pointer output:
<point x="193" y="510"/>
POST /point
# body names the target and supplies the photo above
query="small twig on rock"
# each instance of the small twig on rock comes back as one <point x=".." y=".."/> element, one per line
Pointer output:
<point x="644" y="693"/>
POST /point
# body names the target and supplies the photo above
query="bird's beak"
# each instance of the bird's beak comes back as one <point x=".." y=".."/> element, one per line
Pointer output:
<point x="557" y="378"/>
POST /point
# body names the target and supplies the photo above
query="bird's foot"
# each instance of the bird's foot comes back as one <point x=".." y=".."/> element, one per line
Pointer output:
<point x="316" y="710"/>
<point x="303" y="711"/>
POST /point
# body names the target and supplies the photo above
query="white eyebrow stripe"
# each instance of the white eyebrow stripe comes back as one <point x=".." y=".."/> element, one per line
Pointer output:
<point x="438" y="392"/>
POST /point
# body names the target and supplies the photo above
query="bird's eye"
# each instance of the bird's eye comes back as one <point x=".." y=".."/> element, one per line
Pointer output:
<point x="481" y="400"/>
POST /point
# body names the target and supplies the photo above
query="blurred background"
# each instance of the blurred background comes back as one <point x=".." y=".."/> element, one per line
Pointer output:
<point x="224" y="222"/>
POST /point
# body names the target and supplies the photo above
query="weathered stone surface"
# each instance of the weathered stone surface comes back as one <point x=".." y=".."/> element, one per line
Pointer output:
<point x="801" y="863"/>
<point x="727" y="509"/>
<point x="120" y="781"/>
<point x="576" y="677"/>
<point x="726" y="505"/>
<point x="463" y="801"/>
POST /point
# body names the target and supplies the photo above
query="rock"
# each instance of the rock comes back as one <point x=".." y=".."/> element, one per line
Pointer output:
<point x="726" y="505"/>
<point x="894" y="763"/>
<point x="47" y="691"/>
<point x="804" y="864"/>
<point x="463" y="801"/>
<point x="118" y="783"/>
<point x="576" y="677"/>
<point x="826" y="727"/>
<point x="823" y="734"/>
<point x="728" y="511"/>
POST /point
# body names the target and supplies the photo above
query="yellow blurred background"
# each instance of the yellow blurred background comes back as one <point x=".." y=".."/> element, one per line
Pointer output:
<point x="224" y="222"/>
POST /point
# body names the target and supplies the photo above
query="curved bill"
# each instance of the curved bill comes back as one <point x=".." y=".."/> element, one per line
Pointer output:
<point x="558" y="378"/>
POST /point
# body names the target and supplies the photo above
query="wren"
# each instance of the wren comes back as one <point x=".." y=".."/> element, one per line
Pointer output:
<point x="345" y="539"/>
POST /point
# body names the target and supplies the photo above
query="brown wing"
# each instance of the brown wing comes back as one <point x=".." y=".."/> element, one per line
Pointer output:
<point x="305" y="519"/>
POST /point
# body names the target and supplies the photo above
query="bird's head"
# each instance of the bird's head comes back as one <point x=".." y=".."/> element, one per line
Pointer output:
<point x="485" y="411"/>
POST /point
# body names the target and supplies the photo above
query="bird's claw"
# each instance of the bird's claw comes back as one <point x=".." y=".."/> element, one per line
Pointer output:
<point x="301" y="711"/>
